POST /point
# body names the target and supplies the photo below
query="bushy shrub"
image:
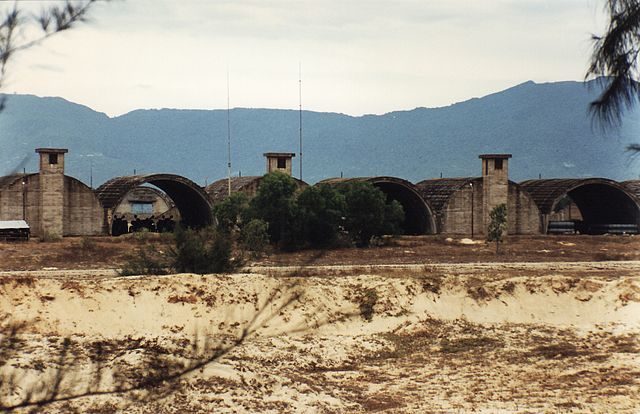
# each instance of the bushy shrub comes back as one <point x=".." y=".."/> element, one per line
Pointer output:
<point x="231" y="212"/>
<point x="144" y="262"/>
<point x="254" y="237"/>
<point x="497" y="224"/>
<point x="368" y="301"/>
<point x="48" y="237"/>
<point x="202" y="251"/>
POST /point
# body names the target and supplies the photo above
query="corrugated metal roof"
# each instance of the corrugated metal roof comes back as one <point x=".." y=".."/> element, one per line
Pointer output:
<point x="438" y="191"/>
<point x="373" y="180"/>
<point x="546" y="192"/>
<point x="111" y="192"/>
<point x="219" y="190"/>
<point x="13" y="224"/>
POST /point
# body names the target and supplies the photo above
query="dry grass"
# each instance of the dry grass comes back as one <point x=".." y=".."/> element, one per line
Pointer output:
<point x="111" y="252"/>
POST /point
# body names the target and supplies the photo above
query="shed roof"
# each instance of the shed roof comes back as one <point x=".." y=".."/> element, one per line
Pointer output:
<point x="52" y="150"/>
<point x="13" y="224"/>
<point x="499" y="156"/>
<point x="279" y="154"/>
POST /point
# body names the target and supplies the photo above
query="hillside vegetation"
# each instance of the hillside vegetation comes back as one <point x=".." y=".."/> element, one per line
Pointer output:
<point x="546" y="127"/>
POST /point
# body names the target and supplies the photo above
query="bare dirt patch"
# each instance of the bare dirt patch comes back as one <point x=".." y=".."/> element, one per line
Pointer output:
<point x="113" y="252"/>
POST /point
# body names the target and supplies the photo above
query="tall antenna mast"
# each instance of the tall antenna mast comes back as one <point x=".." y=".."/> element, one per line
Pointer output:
<point x="300" y="101"/>
<point x="228" y="138"/>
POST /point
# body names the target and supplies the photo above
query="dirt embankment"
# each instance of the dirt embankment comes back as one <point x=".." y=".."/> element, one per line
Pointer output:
<point x="442" y="338"/>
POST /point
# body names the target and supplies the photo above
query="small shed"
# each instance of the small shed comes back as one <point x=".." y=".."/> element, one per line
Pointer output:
<point x="14" y="230"/>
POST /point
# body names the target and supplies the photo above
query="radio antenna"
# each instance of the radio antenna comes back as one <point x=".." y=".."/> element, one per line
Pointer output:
<point x="300" y="120"/>
<point x="228" y="138"/>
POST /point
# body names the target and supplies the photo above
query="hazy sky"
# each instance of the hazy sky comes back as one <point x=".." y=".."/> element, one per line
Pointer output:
<point x="356" y="56"/>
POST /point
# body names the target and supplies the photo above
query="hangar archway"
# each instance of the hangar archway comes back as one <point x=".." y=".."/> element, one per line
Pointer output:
<point x="419" y="218"/>
<point x="605" y="205"/>
<point x="189" y="198"/>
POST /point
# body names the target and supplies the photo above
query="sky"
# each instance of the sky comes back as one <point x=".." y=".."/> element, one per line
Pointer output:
<point x="354" y="56"/>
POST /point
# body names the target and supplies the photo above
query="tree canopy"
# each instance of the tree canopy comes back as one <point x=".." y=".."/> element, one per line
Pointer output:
<point x="615" y="61"/>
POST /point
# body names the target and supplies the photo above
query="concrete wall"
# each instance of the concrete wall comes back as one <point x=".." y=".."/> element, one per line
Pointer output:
<point x="11" y="202"/>
<point x="523" y="216"/>
<point x="522" y="213"/>
<point x="83" y="214"/>
<point x="457" y="214"/>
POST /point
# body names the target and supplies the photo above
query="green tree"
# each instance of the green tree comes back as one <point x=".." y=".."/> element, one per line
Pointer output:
<point x="322" y="208"/>
<point x="275" y="203"/>
<point x="367" y="212"/>
<point x="393" y="218"/>
<point x="231" y="212"/>
<point x="615" y="60"/>
<point x="497" y="224"/>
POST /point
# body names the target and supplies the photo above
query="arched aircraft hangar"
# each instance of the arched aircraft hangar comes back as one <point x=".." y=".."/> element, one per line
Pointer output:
<point x="190" y="199"/>
<point x="419" y="217"/>
<point x="605" y="205"/>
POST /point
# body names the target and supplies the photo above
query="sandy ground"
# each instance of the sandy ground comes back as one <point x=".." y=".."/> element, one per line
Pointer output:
<point x="434" y="338"/>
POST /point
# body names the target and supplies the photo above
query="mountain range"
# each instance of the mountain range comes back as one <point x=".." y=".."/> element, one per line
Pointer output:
<point x="546" y="126"/>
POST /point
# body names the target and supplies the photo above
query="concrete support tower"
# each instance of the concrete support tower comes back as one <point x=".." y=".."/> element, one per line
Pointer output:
<point x="495" y="184"/>
<point x="51" y="191"/>
<point x="279" y="161"/>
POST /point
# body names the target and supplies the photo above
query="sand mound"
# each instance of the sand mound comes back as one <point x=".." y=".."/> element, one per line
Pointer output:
<point x="403" y="343"/>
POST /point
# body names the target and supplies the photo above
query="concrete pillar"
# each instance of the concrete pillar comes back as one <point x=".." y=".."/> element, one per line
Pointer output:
<point x="495" y="184"/>
<point x="51" y="191"/>
<point x="279" y="161"/>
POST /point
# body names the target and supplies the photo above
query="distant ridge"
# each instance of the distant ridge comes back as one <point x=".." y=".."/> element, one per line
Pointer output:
<point x="544" y="125"/>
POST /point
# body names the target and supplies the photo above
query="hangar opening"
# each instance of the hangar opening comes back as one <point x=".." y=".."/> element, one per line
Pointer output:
<point x="418" y="215"/>
<point x="603" y="206"/>
<point x="189" y="199"/>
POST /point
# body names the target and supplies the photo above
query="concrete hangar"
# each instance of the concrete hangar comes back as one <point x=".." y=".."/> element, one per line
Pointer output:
<point x="55" y="204"/>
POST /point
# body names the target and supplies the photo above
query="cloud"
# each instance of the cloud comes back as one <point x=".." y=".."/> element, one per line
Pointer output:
<point x="568" y="164"/>
<point x="46" y="67"/>
<point x="357" y="56"/>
